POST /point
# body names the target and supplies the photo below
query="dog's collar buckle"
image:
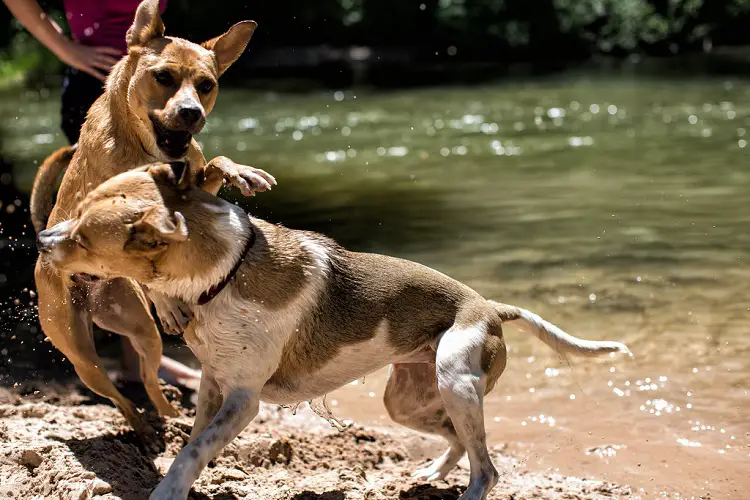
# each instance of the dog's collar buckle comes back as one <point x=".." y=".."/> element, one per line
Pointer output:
<point x="212" y="292"/>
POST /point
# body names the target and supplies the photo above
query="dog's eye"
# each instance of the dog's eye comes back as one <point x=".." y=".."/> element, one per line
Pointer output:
<point x="205" y="86"/>
<point x="81" y="242"/>
<point x="164" y="77"/>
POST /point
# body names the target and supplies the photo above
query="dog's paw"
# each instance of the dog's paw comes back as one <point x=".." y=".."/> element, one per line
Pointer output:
<point x="150" y="441"/>
<point x="174" y="314"/>
<point x="429" y="474"/>
<point x="439" y="468"/>
<point x="250" y="180"/>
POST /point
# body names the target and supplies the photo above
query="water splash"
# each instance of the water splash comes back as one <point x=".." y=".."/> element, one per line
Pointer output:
<point x="320" y="407"/>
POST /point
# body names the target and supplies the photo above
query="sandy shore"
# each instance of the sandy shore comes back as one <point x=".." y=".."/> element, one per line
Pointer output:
<point x="67" y="445"/>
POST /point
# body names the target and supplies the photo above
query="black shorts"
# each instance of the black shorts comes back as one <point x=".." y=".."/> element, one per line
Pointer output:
<point x="79" y="91"/>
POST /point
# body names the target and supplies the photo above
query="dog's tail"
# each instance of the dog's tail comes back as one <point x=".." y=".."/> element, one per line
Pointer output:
<point x="553" y="336"/>
<point x="45" y="184"/>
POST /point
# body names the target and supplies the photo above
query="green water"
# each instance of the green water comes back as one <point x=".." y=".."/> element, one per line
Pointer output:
<point x="618" y="208"/>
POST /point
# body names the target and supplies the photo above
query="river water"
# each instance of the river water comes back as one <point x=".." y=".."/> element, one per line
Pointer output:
<point x="616" y="208"/>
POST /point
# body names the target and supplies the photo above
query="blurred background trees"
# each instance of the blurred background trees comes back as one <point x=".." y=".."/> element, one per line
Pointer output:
<point x="432" y="31"/>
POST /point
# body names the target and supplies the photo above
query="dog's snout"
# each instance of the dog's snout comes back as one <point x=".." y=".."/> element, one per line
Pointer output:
<point x="49" y="239"/>
<point x="41" y="242"/>
<point x="190" y="114"/>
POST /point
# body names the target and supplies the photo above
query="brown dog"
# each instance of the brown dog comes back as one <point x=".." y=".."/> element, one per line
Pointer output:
<point x="156" y="98"/>
<point x="285" y="316"/>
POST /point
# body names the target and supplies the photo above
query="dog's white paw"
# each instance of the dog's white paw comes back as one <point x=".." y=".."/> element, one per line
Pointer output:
<point x="250" y="180"/>
<point x="428" y="474"/>
<point x="441" y="466"/>
<point x="174" y="315"/>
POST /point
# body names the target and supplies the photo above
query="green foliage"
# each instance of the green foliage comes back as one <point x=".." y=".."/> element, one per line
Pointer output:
<point x="26" y="61"/>
<point x="626" y="25"/>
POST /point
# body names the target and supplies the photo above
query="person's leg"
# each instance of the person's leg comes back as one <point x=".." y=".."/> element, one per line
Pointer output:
<point x="79" y="91"/>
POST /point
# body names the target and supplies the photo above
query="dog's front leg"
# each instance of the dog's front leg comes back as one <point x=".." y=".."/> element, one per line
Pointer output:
<point x="239" y="408"/>
<point x="249" y="180"/>
<point x="174" y="315"/>
<point x="209" y="404"/>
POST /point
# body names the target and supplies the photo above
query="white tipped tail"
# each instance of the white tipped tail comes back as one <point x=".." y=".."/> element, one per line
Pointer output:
<point x="554" y="337"/>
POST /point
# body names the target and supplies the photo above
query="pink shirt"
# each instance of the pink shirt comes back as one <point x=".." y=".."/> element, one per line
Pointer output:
<point x="102" y="22"/>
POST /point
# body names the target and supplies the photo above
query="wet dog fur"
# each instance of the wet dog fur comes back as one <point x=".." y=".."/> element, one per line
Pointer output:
<point x="156" y="98"/>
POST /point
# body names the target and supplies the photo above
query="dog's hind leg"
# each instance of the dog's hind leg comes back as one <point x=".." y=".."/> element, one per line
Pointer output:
<point x="121" y="307"/>
<point x="413" y="400"/>
<point x="470" y="358"/>
<point x="64" y="316"/>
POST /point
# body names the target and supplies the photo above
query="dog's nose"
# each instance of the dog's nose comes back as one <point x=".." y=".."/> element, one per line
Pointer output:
<point x="40" y="242"/>
<point x="190" y="114"/>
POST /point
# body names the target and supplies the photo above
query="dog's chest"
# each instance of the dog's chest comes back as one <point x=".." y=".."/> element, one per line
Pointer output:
<point x="242" y="344"/>
<point x="238" y="342"/>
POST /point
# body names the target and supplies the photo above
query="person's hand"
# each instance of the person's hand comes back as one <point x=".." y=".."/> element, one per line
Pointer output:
<point x="96" y="61"/>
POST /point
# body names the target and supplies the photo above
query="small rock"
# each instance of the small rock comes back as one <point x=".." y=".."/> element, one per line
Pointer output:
<point x="163" y="464"/>
<point x="31" y="459"/>
<point x="80" y="493"/>
<point x="234" y="475"/>
<point x="280" y="452"/>
<point x="99" y="487"/>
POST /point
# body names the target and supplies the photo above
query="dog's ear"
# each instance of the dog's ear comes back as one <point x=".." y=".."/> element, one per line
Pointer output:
<point x="176" y="173"/>
<point x="147" y="24"/>
<point x="230" y="46"/>
<point x="155" y="230"/>
<point x="181" y="171"/>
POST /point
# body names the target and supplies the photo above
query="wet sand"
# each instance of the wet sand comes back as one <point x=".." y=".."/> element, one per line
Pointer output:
<point x="72" y="449"/>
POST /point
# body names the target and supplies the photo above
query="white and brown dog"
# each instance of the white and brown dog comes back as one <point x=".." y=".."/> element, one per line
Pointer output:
<point x="286" y="316"/>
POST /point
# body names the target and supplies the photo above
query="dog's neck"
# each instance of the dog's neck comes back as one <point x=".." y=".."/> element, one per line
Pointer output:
<point x="204" y="265"/>
<point x="216" y="289"/>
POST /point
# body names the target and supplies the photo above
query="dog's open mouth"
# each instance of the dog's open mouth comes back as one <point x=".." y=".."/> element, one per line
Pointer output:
<point x="174" y="143"/>
<point x="83" y="278"/>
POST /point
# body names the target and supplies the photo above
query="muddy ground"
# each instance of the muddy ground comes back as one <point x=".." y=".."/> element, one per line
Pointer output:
<point x="62" y="442"/>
